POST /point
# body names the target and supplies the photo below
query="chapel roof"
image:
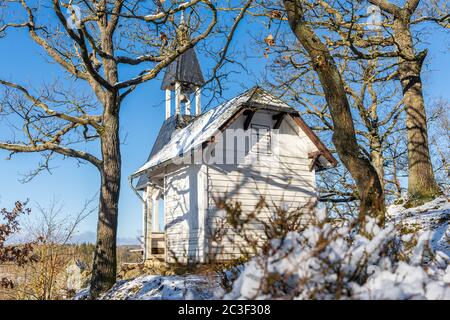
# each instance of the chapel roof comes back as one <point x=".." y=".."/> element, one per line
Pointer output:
<point x="178" y="136"/>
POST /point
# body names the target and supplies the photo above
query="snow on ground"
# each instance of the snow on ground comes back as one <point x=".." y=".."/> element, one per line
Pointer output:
<point x="154" y="287"/>
<point x="433" y="216"/>
<point x="296" y="256"/>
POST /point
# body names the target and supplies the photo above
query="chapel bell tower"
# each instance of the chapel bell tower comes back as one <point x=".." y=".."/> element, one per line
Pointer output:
<point x="183" y="77"/>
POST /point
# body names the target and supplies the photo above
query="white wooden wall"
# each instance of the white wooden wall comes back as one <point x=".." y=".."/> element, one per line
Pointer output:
<point x="184" y="211"/>
<point x="284" y="181"/>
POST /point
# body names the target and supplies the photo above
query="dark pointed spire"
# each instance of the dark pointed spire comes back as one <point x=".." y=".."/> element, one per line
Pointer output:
<point x="186" y="68"/>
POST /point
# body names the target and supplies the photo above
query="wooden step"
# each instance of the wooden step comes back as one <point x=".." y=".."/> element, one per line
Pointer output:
<point x="160" y="257"/>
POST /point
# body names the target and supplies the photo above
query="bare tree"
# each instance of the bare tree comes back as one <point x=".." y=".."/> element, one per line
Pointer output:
<point x="369" y="187"/>
<point x="92" y="45"/>
<point x="390" y="36"/>
<point x="439" y="124"/>
<point x="421" y="181"/>
<point x="51" y="228"/>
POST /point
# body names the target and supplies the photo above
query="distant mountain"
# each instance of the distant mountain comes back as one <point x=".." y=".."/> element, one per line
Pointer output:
<point x="90" y="237"/>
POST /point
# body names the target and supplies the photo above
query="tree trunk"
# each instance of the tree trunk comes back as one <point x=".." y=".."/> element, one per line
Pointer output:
<point x="105" y="259"/>
<point x="376" y="157"/>
<point x="344" y="137"/>
<point x="421" y="183"/>
<point x="372" y="124"/>
<point x="395" y="180"/>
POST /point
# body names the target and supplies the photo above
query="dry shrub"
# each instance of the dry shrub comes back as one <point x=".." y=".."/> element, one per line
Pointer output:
<point x="13" y="255"/>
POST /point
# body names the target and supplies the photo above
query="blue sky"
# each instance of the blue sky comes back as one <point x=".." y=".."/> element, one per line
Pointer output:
<point x="141" y="116"/>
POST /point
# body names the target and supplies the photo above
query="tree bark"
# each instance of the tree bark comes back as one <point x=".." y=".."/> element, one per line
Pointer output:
<point x="377" y="159"/>
<point x="373" y="125"/>
<point x="395" y="180"/>
<point x="105" y="259"/>
<point x="370" y="192"/>
<point x="421" y="182"/>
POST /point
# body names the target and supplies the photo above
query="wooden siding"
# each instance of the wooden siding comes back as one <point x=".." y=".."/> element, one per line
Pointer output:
<point x="282" y="178"/>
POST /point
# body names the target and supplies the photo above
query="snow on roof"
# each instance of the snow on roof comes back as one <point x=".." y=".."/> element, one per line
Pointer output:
<point x="206" y="125"/>
<point x="166" y="131"/>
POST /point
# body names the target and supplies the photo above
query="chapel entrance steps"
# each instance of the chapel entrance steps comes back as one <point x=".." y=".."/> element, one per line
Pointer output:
<point x="158" y="248"/>
<point x="158" y="245"/>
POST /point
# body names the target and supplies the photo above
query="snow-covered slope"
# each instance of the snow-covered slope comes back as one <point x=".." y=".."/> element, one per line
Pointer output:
<point x="433" y="216"/>
<point x="394" y="262"/>
<point x="153" y="287"/>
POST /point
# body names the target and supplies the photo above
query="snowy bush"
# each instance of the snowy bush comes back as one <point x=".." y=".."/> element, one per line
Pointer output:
<point x="339" y="260"/>
<point x="323" y="259"/>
